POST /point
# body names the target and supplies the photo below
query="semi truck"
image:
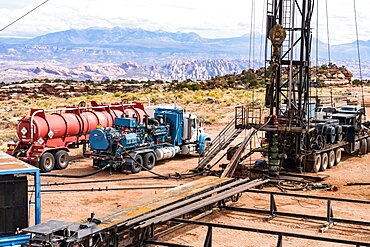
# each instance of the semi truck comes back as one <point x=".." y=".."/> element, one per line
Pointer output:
<point x="132" y="146"/>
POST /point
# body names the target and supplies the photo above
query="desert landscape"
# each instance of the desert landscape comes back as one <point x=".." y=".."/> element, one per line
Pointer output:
<point x="180" y="124"/>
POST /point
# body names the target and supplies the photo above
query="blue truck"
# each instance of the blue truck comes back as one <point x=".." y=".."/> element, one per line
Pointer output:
<point x="133" y="144"/>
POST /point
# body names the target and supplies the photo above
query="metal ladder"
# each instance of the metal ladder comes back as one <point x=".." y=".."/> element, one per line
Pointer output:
<point x="286" y="21"/>
<point x="222" y="140"/>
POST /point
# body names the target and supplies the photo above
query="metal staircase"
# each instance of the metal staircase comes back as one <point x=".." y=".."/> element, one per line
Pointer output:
<point x="245" y="118"/>
<point x="222" y="141"/>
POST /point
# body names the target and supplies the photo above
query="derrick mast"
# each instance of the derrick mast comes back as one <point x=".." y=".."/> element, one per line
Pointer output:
<point x="287" y="90"/>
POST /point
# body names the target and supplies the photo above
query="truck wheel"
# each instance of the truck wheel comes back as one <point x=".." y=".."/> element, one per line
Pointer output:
<point x="363" y="146"/>
<point x="324" y="161"/>
<point x="137" y="164"/>
<point x="207" y="144"/>
<point x="47" y="162"/>
<point x="331" y="161"/>
<point x="316" y="163"/>
<point x="61" y="159"/>
<point x="338" y="156"/>
<point x="149" y="161"/>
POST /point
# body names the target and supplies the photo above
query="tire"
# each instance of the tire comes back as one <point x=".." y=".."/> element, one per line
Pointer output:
<point x="339" y="133"/>
<point x="363" y="146"/>
<point x="47" y="162"/>
<point x="149" y="161"/>
<point x="207" y="144"/>
<point x="331" y="161"/>
<point x="368" y="144"/>
<point x="324" y="161"/>
<point x="137" y="164"/>
<point x="61" y="159"/>
<point x="330" y="131"/>
<point x="317" y="163"/>
<point x="338" y="156"/>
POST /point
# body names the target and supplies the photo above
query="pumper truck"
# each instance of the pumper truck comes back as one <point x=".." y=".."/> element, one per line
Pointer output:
<point x="130" y="145"/>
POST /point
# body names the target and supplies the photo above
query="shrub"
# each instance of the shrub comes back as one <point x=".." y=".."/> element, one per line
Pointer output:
<point x="356" y="82"/>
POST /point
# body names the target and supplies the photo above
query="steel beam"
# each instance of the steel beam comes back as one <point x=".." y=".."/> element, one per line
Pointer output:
<point x="272" y="232"/>
<point x="182" y="203"/>
<point x="205" y="202"/>
<point x="311" y="196"/>
<point x="296" y="215"/>
<point x="153" y="242"/>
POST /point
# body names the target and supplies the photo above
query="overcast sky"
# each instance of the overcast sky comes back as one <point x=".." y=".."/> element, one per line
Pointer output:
<point x="208" y="18"/>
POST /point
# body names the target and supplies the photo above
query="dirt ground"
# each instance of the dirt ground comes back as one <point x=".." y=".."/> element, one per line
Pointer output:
<point x="74" y="206"/>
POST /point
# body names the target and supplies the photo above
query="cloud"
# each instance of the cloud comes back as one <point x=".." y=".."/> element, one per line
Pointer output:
<point x="209" y="18"/>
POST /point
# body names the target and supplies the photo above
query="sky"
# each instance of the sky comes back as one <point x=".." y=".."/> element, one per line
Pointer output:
<point x="208" y="18"/>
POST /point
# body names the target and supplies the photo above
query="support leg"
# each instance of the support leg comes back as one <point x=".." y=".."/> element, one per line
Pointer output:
<point x="208" y="240"/>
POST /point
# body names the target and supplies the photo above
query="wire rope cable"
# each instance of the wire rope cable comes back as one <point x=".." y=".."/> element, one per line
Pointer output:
<point x="359" y="55"/>
<point x="317" y="48"/>
<point x="327" y="31"/>
<point x="262" y="32"/>
<point x="250" y="37"/>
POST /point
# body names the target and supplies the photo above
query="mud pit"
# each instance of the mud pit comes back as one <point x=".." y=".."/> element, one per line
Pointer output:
<point x="74" y="206"/>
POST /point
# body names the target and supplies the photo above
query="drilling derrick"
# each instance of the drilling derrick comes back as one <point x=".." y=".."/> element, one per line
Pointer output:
<point x="287" y="90"/>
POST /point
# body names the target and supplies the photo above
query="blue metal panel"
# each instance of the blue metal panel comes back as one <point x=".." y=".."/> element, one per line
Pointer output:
<point x="98" y="140"/>
<point x="126" y="122"/>
<point x="175" y="119"/>
<point x="37" y="197"/>
<point x="129" y="140"/>
<point x="20" y="171"/>
<point x="14" y="240"/>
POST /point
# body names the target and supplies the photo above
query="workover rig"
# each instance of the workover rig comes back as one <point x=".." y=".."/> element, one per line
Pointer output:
<point x="288" y="128"/>
<point x="294" y="138"/>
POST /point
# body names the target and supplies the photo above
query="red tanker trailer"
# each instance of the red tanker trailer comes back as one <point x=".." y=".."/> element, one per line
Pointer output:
<point x="46" y="136"/>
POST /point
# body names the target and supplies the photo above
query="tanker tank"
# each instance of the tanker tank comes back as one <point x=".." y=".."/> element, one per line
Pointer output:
<point x="46" y="136"/>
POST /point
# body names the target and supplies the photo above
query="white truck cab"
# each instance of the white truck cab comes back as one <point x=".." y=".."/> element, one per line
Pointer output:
<point x="324" y="112"/>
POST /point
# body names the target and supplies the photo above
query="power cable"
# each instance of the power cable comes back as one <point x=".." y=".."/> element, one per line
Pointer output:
<point x="29" y="12"/>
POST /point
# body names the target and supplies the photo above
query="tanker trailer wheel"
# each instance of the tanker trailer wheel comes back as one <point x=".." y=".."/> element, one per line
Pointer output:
<point x="324" y="161"/>
<point x="316" y="163"/>
<point x="149" y="161"/>
<point x="363" y="146"/>
<point x="47" y="162"/>
<point x="338" y="156"/>
<point x="61" y="159"/>
<point x="137" y="164"/>
<point x="331" y="156"/>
